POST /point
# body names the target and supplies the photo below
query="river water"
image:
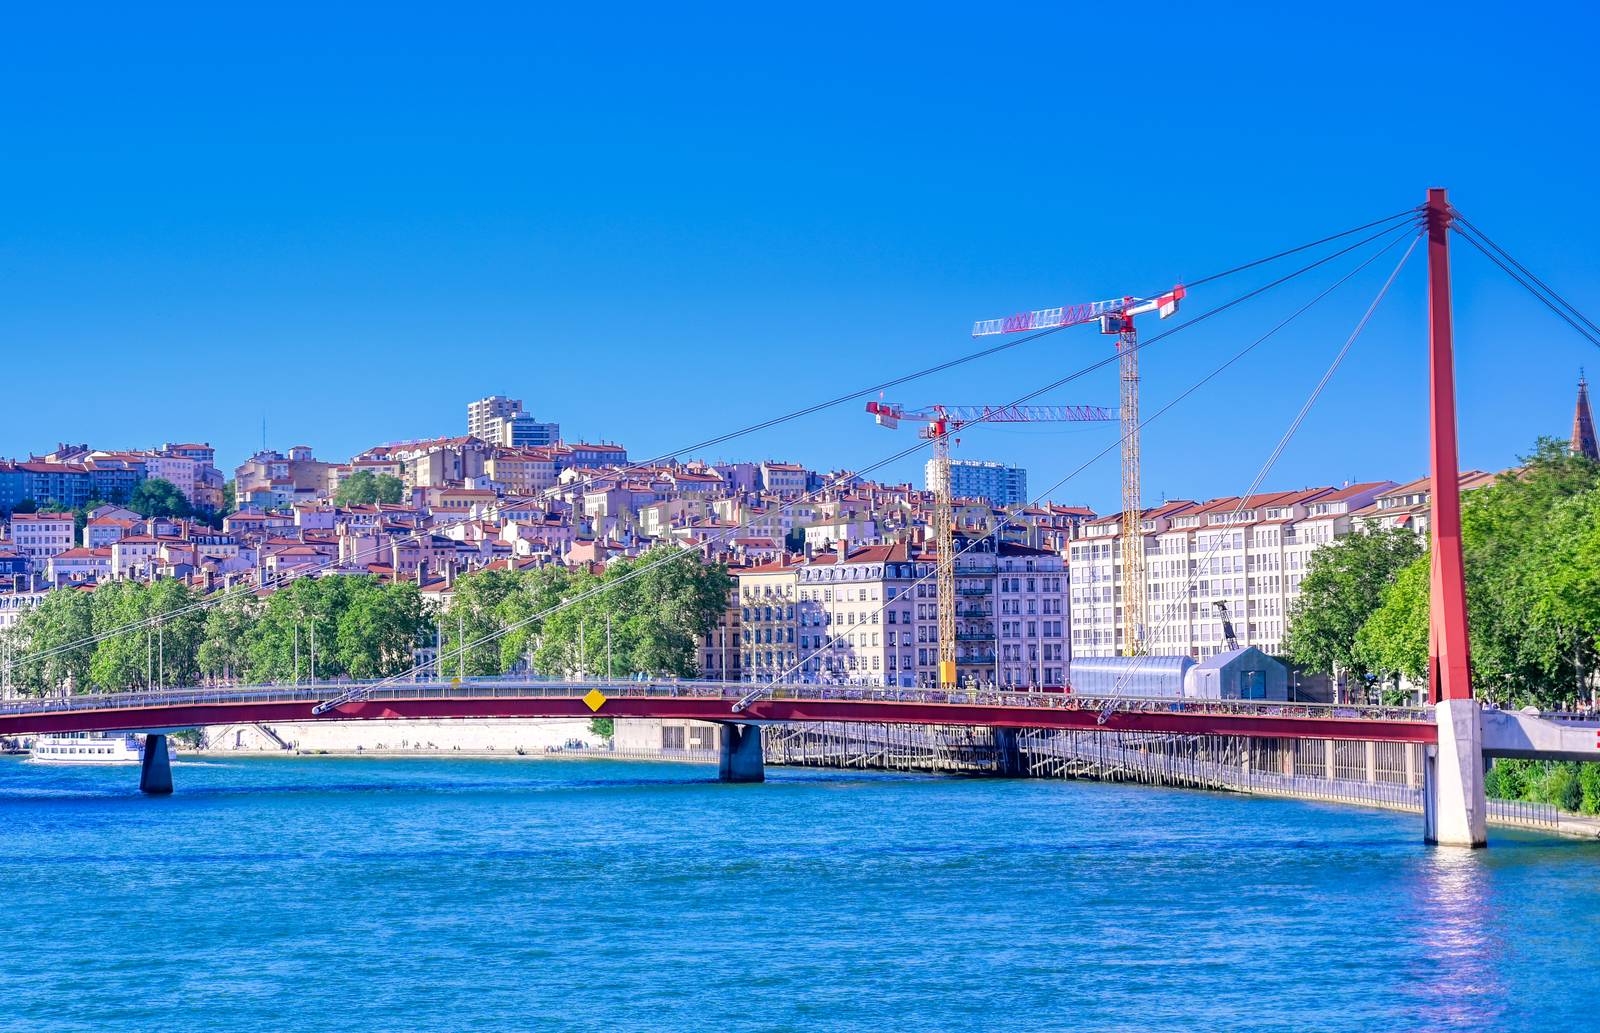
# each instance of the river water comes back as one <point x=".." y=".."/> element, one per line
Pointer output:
<point x="460" y="894"/>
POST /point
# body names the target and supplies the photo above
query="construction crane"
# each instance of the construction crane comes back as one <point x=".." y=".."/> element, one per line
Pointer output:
<point x="939" y="424"/>
<point x="1115" y="317"/>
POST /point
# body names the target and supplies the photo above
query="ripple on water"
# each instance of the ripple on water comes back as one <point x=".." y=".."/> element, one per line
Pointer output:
<point x="453" y="893"/>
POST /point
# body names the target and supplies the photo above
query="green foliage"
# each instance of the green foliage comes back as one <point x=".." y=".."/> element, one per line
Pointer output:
<point x="364" y="488"/>
<point x="162" y="652"/>
<point x="360" y="628"/>
<point x="42" y="638"/>
<point x="363" y="629"/>
<point x="159" y="497"/>
<point x="137" y="656"/>
<point x="230" y="498"/>
<point x="656" y="618"/>
<point x="1342" y="588"/>
<point x="225" y="650"/>
<point x="604" y="727"/>
<point x="1589" y="788"/>
<point x="1531" y="543"/>
<point x="1394" y="638"/>
<point x="1569" y="785"/>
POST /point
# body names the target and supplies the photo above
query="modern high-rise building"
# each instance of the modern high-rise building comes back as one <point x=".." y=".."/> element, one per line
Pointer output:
<point x="501" y="421"/>
<point x="481" y="412"/>
<point x="996" y="483"/>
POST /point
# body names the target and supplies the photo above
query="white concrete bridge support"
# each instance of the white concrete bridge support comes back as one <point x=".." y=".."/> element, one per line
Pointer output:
<point x="740" y="759"/>
<point x="155" y="772"/>
<point x="1454" y="810"/>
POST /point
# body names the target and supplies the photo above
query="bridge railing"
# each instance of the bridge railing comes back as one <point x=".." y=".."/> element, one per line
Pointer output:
<point x="523" y="688"/>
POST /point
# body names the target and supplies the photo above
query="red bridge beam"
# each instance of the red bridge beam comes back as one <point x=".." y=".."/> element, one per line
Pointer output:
<point x="717" y="709"/>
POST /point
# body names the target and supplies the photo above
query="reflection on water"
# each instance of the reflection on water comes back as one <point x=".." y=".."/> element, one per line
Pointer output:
<point x="447" y="894"/>
<point x="1462" y="962"/>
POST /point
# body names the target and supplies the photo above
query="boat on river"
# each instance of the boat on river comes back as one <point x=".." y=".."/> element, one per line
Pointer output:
<point x="90" y="748"/>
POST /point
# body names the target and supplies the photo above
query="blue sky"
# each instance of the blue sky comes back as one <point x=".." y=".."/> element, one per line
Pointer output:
<point x="655" y="223"/>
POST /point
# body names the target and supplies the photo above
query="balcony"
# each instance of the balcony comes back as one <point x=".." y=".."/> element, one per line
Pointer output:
<point x="974" y="614"/>
<point x="975" y="590"/>
<point x="976" y="660"/>
<point x="974" y="636"/>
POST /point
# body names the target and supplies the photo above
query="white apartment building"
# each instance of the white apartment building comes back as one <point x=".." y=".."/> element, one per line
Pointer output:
<point x="39" y="536"/>
<point x="1239" y="560"/>
<point x="502" y="421"/>
<point x="481" y="412"/>
<point x="869" y="615"/>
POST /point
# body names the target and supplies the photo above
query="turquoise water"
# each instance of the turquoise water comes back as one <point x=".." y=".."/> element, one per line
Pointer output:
<point x="455" y="894"/>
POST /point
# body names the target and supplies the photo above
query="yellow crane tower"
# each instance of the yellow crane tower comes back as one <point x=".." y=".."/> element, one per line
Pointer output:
<point x="1115" y="317"/>
<point x="939" y="423"/>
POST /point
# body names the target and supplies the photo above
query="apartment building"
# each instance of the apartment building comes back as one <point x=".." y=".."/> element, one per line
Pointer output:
<point x="995" y="483"/>
<point x="869" y="615"/>
<point x="40" y="536"/>
<point x="1411" y="505"/>
<point x="767" y="625"/>
<point x="271" y="479"/>
<point x="784" y="480"/>
<point x="485" y="411"/>
<point x="523" y="471"/>
<point x="720" y="647"/>
<point x="1228" y="559"/>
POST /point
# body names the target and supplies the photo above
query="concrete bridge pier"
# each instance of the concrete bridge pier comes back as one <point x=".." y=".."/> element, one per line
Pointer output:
<point x="1454" y="810"/>
<point x="741" y="759"/>
<point x="155" y="773"/>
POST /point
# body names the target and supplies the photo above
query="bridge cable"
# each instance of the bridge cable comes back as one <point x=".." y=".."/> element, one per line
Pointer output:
<point x="1411" y="212"/>
<point x="1261" y="475"/>
<point x="998" y="523"/>
<point x="1459" y="219"/>
<point x="545" y="495"/>
<point x="359" y="692"/>
<point x="1585" y="327"/>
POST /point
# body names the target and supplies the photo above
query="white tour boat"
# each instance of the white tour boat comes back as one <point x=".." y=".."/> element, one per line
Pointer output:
<point x="90" y="748"/>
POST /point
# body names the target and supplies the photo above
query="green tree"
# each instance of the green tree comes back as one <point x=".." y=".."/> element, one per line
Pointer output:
<point x="658" y="611"/>
<point x="364" y="488"/>
<point x="1342" y="588"/>
<point x="1394" y="637"/>
<point x="379" y="629"/>
<point x="358" y="626"/>
<point x="1531" y="545"/>
<point x="230" y="498"/>
<point x="44" y="644"/>
<point x="159" y="497"/>
<point x="148" y="635"/>
<point x="224" y="653"/>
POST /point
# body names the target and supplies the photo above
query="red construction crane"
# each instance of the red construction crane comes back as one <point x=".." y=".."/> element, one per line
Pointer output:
<point x="939" y="424"/>
<point x="1116" y="317"/>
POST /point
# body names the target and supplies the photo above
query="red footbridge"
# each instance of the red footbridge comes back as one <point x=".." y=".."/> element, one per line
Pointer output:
<point x="1456" y="731"/>
<point x="741" y="713"/>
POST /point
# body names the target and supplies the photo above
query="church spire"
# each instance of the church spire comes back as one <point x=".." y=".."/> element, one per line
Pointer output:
<point x="1583" y="439"/>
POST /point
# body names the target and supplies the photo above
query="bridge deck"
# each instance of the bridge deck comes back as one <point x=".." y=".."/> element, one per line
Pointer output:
<point x="712" y="701"/>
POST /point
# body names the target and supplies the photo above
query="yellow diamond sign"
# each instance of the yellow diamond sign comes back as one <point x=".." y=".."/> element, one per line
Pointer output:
<point x="595" y="699"/>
